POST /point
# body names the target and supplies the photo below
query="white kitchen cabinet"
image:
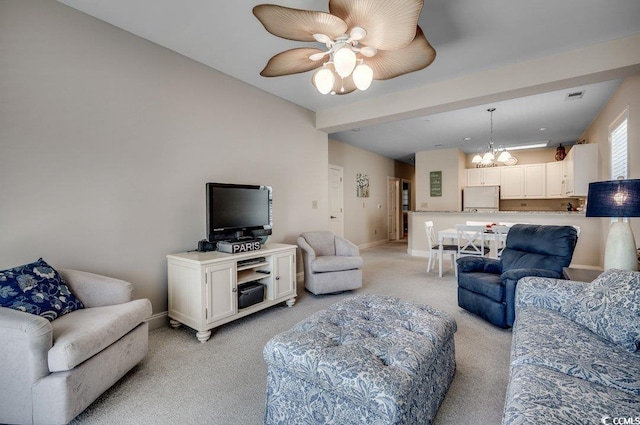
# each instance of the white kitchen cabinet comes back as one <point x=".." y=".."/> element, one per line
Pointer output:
<point x="512" y="182"/>
<point x="555" y="179"/>
<point x="534" y="181"/>
<point x="203" y="287"/>
<point x="489" y="176"/>
<point x="581" y="168"/>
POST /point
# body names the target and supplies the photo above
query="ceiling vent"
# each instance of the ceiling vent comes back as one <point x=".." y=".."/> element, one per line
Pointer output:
<point x="575" y="95"/>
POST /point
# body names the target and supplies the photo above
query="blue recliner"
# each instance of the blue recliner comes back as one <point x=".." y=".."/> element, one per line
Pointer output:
<point x="487" y="287"/>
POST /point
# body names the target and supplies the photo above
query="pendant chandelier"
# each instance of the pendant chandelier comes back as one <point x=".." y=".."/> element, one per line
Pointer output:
<point x="492" y="156"/>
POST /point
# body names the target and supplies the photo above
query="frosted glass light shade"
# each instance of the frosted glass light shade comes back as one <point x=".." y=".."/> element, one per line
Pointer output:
<point x="504" y="156"/>
<point x="344" y="61"/>
<point x="363" y="76"/>
<point x="324" y="80"/>
<point x="488" y="157"/>
<point x="477" y="159"/>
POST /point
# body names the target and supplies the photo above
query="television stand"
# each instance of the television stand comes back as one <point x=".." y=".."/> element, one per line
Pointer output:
<point x="203" y="286"/>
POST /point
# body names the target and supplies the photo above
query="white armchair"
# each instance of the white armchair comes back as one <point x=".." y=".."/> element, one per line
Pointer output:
<point x="331" y="263"/>
<point x="51" y="371"/>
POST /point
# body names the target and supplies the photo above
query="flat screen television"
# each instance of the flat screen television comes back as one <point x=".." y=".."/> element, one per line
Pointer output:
<point x="238" y="211"/>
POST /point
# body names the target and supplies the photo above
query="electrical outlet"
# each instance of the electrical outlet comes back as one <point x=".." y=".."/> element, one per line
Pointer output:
<point x="424" y="204"/>
<point x="314" y="205"/>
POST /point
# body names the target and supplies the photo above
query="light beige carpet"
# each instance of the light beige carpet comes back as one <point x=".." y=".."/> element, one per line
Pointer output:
<point x="223" y="381"/>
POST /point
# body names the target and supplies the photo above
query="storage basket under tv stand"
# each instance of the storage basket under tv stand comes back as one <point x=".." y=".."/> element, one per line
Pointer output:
<point x="203" y="286"/>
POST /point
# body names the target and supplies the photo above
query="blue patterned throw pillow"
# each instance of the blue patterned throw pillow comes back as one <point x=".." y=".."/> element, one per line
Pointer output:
<point x="37" y="288"/>
<point x="610" y="307"/>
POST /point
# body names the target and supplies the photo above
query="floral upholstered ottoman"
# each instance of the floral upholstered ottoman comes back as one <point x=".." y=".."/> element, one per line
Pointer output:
<point x="367" y="360"/>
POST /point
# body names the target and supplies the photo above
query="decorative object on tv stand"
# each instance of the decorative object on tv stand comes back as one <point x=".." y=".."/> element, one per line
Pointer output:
<point x="492" y="156"/>
<point x="617" y="198"/>
<point x="365" y="40"/>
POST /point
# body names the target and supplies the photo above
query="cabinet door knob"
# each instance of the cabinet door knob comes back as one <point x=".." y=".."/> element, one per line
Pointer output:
<point x="277" y="277"/>
<point x="234" y="290"/>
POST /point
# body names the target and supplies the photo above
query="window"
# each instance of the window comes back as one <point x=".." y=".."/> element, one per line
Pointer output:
<point x="618" y="142"/>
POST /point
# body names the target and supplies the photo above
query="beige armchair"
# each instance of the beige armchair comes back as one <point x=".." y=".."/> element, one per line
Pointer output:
<point x="51" y="371"/>
<point x="331" y="263"/>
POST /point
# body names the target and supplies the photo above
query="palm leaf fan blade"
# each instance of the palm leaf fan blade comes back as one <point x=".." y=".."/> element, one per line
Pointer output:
<point x="393" y="63"/>
<point x="297" y="24"/>
<point x="292" y="61"/>
<point x="390" y="24"/>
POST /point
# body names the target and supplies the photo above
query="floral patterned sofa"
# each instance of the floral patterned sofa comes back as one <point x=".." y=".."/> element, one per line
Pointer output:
<point x="574" y="355"/>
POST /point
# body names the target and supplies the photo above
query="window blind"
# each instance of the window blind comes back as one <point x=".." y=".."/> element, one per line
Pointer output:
<point x="619" y="153"/>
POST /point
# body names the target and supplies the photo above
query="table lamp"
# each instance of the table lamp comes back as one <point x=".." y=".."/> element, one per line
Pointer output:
<point x="617" y="198"/>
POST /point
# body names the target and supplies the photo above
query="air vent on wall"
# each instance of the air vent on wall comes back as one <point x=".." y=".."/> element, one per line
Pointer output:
<point x="575" y="95"/>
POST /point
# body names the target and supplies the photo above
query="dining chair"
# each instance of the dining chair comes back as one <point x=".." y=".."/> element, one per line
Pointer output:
<point x="500" y="234"/>
<point x="471" y="240"/>
<point x="434" y="249"/>
<point x="510" y="223"/>
<point x="577" y="230"/>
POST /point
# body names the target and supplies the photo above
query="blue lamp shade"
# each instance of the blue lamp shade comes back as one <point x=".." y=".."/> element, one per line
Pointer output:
<point x="614" y="198"/>
<point x="617" y="198"/>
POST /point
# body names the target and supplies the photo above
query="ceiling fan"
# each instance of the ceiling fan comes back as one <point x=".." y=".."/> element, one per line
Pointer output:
<point x="366" y="40"/>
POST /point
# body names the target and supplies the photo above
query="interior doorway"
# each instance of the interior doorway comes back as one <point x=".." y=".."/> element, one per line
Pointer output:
<point x="393" y="208"/>
<point x="406" y="207"/>
<point x="336" y="212"/>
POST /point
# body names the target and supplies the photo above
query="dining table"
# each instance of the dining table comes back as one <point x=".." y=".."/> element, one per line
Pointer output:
<point x="452" y="233"/>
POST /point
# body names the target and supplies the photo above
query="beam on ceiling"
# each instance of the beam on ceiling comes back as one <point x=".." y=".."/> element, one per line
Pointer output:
<point x="591" y="64"/>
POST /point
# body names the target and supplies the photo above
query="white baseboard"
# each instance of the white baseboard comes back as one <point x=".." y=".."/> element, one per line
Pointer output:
<point x="417" y="253"/>
<point x="158" y="320"/>
<point x="372" y="244"/>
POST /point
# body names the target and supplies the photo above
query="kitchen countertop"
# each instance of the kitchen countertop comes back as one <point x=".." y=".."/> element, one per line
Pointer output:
<point x="589" y="250"/>
<point x="579" y="213"/>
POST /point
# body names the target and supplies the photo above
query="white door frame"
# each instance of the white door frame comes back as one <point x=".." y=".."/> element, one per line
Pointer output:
<point x="393" y="203"/>
<point x="336" y="196"/>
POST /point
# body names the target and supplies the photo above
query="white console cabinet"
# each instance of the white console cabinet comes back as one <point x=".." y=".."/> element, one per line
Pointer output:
<point x="204" y="286"/>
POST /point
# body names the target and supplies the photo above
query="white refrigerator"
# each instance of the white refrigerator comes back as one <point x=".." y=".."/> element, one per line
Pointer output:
<point x="481" y="198"/>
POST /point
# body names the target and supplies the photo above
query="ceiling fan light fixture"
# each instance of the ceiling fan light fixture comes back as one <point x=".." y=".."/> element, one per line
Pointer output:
<point x="324" y="80"/>
<point x="357" y="34"/>
<point x="344" y="61"/>
<point x="393" y="42"/>
<point x="323" y="38"/>
<point x="363" y="76"/>
<point x="368" y="51"/>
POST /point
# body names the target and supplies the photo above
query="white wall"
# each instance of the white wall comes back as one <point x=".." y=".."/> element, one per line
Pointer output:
<point x="107" y="141"/>
<point x="451" y="163"/>
<point x="365" y="219"/>
<point x="627" y="95"/>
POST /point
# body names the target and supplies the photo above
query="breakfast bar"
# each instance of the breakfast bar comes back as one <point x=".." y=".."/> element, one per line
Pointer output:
<point x="588" y="253"/>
